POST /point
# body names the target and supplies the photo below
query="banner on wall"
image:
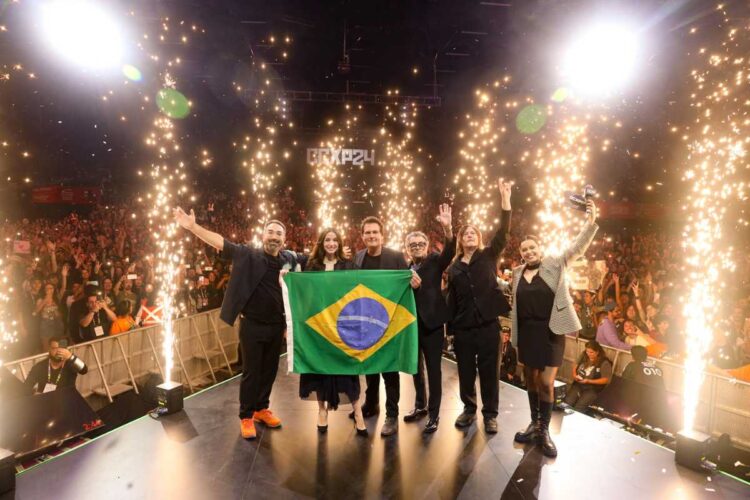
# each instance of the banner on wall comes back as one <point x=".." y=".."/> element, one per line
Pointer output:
<point x="66" y="195"/>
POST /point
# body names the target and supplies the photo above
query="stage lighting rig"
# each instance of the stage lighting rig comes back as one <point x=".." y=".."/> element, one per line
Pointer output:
<point x="600" y="60"/>
<point x="82" y="32"/>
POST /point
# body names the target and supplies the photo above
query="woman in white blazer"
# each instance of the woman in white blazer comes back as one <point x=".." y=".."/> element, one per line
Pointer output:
<point x="542" y="315"/>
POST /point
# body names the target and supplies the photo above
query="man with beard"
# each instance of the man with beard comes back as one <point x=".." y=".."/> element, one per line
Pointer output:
<point x="60" y="370"/>
<point x="432" y="314"/>
<point x="254" y="294"/>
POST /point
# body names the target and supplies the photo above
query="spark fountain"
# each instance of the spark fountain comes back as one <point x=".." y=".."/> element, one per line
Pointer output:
<point x="396" y="174"/>
<point x="717" y="143"/>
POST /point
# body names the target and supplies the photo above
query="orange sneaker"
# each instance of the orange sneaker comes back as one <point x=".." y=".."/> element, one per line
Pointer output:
<point x="247" y="428"/>
<point x="267" y="418"/>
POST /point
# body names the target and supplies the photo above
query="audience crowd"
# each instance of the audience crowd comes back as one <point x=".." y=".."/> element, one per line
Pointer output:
<point x="85" y="276"/>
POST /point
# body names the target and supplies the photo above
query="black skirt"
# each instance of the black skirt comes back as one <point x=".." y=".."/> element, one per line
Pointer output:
<point x="538" y="346"/>
<point x="332" y="389"/>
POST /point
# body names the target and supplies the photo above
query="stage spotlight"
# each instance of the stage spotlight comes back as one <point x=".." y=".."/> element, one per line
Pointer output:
<point x="83" y="32"/>
<point x="600" y="60"/>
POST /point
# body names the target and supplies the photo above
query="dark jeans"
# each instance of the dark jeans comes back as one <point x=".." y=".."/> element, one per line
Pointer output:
<point x="431" y="349"/>
<point x="580" y="396"/>
<point x="260" y="345"/>
<point x="392" y="392"/>
<point x="477" y="352"/>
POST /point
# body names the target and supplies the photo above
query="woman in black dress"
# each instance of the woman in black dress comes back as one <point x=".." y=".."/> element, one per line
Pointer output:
<point x="543" y="314"/>
<point x="328" y="255"/>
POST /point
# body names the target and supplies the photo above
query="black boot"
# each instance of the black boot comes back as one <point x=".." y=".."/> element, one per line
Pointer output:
<point x="529" y="434"/>
<point x="542" y="435"/>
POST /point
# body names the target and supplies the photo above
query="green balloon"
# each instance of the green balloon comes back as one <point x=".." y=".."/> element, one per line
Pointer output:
<point x="172" y="103"/>
<point x="531" y="119"/>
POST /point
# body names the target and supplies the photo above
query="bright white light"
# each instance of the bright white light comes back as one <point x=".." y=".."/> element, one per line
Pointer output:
<point x="601" y="59"/>
<point x="82" y="32"/>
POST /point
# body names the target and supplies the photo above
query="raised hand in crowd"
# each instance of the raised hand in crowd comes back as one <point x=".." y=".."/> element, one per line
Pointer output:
<point x="505" y="191"/>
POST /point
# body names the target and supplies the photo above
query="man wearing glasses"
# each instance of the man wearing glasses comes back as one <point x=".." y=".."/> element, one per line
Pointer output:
<point x="432" y="314"/>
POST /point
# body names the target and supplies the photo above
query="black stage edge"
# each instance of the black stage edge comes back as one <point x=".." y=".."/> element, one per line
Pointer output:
<point x="198" y="453"/>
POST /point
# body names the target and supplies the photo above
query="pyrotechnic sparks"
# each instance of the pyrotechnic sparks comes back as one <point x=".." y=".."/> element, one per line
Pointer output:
<point x="555" y="144"/>
<point x="8" y="325"/>
<point x="560" y="165"/>
<point x="168" y="176"/>
<point x="717" y="147"/>
<point x="481" y="154"/>
<point x="262" y="149"/>
<point x="329" y="177"/>
<point x="396" y="172"/>
<point x="333" y="175"/>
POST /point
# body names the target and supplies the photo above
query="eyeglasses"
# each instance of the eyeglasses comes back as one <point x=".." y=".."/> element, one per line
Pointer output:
<point x="414" y="246"/>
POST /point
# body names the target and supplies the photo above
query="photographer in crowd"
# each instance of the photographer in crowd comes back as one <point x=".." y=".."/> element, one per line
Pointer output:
<point x="97" y="319"/>
<point x="60" y="370"/>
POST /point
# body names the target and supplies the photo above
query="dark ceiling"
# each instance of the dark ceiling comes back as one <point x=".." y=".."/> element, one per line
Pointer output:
<point x="73" y="134"/>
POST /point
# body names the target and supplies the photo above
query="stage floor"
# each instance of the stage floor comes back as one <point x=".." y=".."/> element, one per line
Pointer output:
<point x="199" y="454"/>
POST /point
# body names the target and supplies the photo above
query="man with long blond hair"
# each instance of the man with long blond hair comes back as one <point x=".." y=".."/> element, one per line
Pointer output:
<point x="475" y="301"/>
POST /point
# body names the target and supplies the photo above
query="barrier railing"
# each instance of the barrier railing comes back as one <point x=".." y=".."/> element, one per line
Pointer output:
<point x="203" y="346"/>
<point x="724" y="404"/>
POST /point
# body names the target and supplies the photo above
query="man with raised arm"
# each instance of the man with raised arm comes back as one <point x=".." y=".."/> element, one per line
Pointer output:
<point x="253" y="294"/>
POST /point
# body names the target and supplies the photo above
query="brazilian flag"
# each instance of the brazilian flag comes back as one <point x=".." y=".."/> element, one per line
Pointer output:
<point x="350" y="322"/>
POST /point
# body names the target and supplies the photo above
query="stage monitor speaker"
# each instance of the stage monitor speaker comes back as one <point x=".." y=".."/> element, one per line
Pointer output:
<point x="125" y="408"/>
<point x="7" y="471"/>
<point x="641" y="403"/>
<point x="31" y="424"/>
<point x="691" y="450"/>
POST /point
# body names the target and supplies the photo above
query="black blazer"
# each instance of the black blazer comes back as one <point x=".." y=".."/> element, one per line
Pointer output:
<point x="248" y="267"/>
<point x="341" y="265"/>
<point x="482" y="272"/>
<point x="389" y="259"/>
<point x="430" y="301"/>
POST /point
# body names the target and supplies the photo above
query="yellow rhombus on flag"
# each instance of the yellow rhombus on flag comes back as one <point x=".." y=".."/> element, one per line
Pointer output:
<point x="328" y="321"/>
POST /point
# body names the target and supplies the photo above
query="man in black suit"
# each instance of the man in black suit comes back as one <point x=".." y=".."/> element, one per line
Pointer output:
<point x="432" y="314"/>
<point x="374" y="256"/>
<point x="254" y="294"/>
